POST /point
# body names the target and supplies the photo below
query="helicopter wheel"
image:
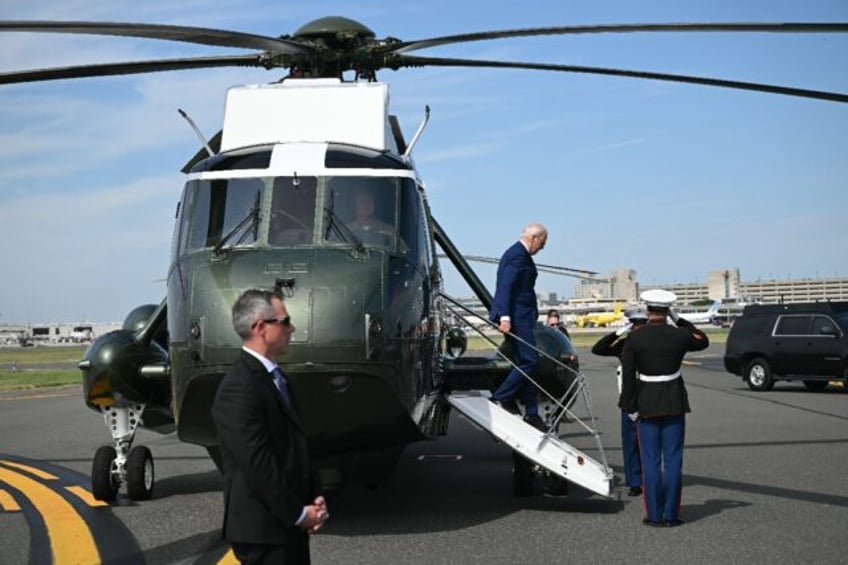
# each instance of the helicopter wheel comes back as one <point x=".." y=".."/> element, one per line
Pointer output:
<point x="522" y="475"/>
<point x="140" y="473"/>
<point x="104" y="481"/>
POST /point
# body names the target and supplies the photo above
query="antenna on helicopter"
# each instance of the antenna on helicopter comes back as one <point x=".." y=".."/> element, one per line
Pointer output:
<point x="197" y="131"/>
<point x="421" y="127"/>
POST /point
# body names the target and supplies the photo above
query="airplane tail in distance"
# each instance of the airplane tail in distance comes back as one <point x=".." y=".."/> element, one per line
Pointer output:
<point x="714" y="308"/>
<point x="617" y="308"/>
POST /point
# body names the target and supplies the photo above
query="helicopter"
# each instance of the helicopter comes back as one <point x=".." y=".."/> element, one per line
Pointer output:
<point x="269" y="202"/>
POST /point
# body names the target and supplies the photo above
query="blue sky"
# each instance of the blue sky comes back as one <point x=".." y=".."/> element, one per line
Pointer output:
<point x="671" y="180"/>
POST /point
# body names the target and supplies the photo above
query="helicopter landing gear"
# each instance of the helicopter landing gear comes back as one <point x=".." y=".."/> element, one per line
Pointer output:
<point x="114" y="466"/>
<point x="105" y="481"/>
<point x="140" y="473"/>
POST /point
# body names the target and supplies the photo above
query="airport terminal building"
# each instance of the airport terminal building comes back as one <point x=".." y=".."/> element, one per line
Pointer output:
<point x="725" y="285"/>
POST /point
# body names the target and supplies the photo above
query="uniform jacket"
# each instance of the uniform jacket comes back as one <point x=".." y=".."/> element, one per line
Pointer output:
<point x="515" y="294"/>
<point x="266" y="465"/>
<point x="657" y="349"/>
<point x="611" y="345"/>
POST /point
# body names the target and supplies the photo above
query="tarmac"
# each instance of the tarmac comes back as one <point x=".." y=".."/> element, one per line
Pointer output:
<point x="763" y="483"/>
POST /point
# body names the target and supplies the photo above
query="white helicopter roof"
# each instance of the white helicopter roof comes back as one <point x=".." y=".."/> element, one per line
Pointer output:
<point x="308" y="110"/>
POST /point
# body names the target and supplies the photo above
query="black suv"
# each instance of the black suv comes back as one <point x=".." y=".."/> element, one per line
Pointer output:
<point x="772" y="342"/>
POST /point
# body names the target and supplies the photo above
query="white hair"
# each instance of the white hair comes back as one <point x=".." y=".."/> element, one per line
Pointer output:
<point x="534" y="229"/>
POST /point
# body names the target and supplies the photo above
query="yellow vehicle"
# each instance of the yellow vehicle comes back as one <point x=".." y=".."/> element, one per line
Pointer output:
<point x="599" y="319"/>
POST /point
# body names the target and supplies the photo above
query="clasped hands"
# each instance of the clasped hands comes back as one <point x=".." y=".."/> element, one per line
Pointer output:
<point x="316" y="515"/>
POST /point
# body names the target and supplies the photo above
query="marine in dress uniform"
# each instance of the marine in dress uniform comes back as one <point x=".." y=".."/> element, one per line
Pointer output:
<point x="612" y="345"/>
<point x="654" y="395"/>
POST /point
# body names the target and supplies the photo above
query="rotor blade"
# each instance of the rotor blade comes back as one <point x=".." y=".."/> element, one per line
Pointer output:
<point x="414" y="61"/>
<point x="463" y="268"/>
<point x="198" y="35"/>
<point x="133" y="67"/>
<point x="406" y="46"/>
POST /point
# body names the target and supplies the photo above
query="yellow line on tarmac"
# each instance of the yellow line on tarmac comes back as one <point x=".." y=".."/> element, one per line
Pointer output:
<point x="85" y="496"/>
<point x="31" y="470"/>
<point x="229" y="558"/>
<point x="8" y="503"/>
<point x="70" y="539"/>
<point x="38" y="396"/>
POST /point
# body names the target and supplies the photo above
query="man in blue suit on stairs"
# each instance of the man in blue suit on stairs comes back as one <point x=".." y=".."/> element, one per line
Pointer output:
<point x="515" y="310"/>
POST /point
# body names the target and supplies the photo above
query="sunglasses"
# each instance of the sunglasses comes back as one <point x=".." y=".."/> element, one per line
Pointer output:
<point x="285" y="322"/>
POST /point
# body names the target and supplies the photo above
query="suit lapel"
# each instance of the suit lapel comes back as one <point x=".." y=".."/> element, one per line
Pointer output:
<point x="258" y="369"/>
<point x="290" y="411"/>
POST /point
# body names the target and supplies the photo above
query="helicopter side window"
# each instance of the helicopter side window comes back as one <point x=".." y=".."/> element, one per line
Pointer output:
<point x="181" y="219"/>
<point x="224" y="213"/>
<point x="411" y="222"/>
<point x="292" y="211"/>
<point x="428" y="245"/>
<point x="367" y="207"/>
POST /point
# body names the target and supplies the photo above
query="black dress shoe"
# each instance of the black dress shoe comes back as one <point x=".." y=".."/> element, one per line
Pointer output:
<point x="652" y="524"/>
<point x="634" y="491"/>
<point x="508" y="405"/>
<point x="673" y="523"/>
<point x="537" y="422"/>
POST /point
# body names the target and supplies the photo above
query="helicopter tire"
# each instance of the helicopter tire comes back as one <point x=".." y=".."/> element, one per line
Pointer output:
<point x="140" y="473"/>
<point x="522" y="475"/>
<point x="104" y="483"/>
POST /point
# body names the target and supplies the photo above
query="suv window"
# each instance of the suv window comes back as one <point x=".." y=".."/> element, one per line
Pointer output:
<point x="793" y="325"/>
<point x="822" y="325"/>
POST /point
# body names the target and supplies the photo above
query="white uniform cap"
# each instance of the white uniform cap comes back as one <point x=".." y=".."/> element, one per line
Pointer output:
<point x="636" y="314"/>
<point x="658" y="298"/>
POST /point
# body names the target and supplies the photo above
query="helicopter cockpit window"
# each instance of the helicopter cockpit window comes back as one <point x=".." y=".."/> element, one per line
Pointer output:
<point x="412" y="222"/>
<point x="292" y="211"/>
<point x="366" y="207"/>
<point x="225" y="213"/>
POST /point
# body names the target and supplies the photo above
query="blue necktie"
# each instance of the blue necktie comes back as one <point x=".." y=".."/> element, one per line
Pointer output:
<point x="282" y="386"/>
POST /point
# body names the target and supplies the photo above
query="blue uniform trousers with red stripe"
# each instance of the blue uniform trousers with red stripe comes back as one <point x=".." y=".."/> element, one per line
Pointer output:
<point x="630" y="452"/>
<point x="661" y="447"/>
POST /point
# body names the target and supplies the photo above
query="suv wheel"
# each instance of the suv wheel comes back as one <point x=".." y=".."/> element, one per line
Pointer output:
<point x="758" y="375"/>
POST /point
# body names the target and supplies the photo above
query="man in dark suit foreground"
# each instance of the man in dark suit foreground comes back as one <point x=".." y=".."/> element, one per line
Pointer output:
<point x="270" y="502"/>
<point x="515" y="310"/>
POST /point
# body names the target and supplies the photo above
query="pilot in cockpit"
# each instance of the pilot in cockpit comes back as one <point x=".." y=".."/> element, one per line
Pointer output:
<point x="365" y="224"/>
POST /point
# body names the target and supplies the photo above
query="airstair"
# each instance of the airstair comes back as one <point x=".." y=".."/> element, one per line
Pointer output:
<point x="563" y="398"/>
<point x="545" y="449"/>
